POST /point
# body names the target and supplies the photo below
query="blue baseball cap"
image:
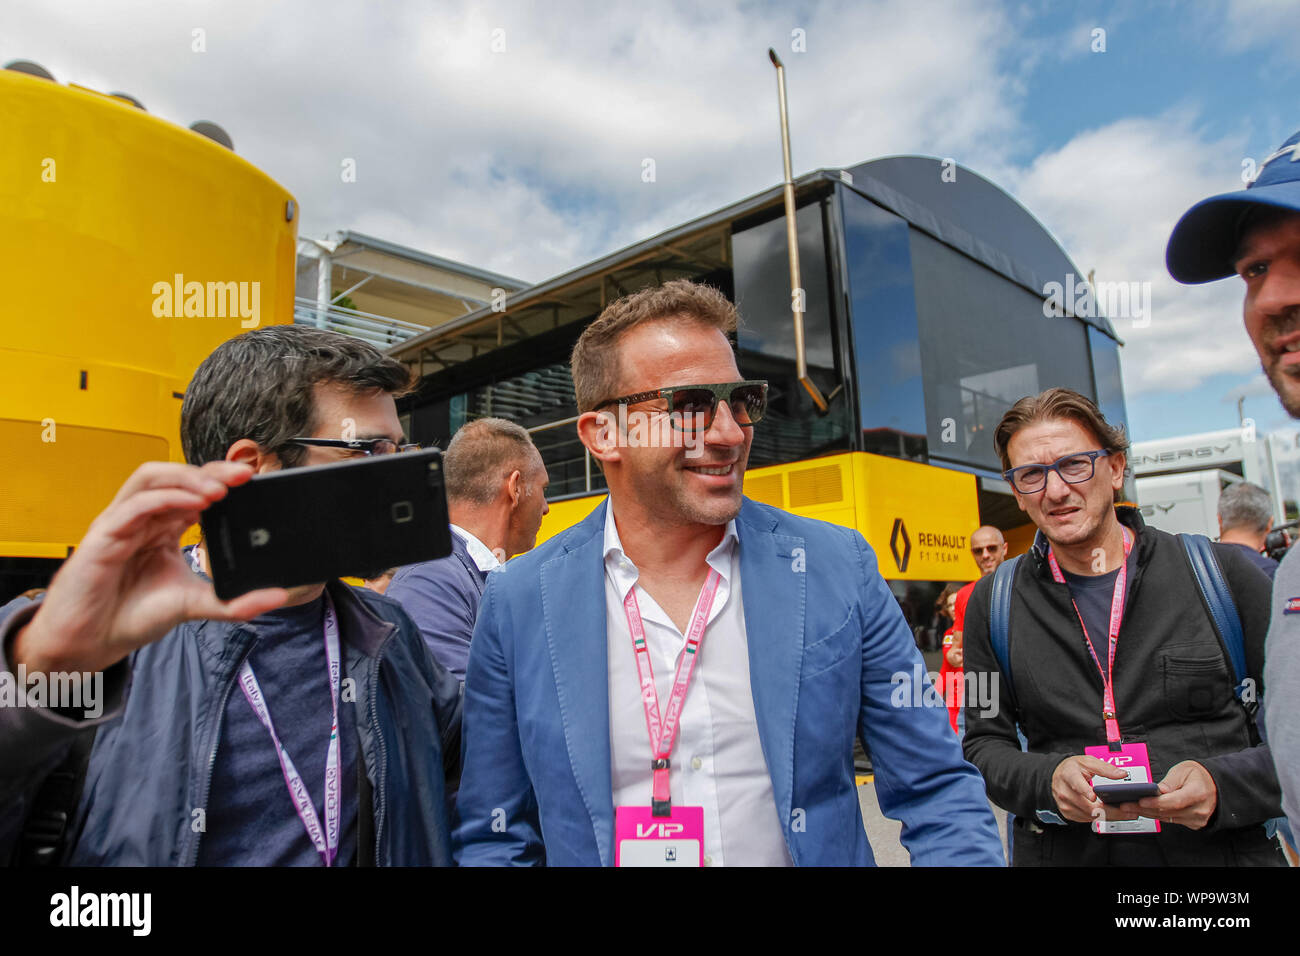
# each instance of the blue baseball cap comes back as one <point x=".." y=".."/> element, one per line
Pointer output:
<point x="1202" y="245"/>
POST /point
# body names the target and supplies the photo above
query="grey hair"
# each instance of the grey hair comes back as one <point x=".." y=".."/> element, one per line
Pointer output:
<point x="481" y="455"/>
<point x="1247" y="506"/>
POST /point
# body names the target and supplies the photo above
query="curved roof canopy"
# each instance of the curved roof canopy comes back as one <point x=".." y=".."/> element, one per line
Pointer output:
<point x="968" y="213"/>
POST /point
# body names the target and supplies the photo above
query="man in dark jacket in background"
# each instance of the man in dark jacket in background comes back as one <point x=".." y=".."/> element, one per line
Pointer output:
<point x="496" y="498"/>
<point x="1103" y="601"/>
<point x="318" y="732"/>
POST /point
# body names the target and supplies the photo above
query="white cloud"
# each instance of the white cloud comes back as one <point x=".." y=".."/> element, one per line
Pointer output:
<point x="1251" y="388"/>
<point x="1113" y="195"/>
<point x="1258" y="23"/>
<point x="528" y="161"/>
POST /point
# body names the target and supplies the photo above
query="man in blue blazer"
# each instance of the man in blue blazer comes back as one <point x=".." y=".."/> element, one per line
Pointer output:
<point x="786" y="670"/>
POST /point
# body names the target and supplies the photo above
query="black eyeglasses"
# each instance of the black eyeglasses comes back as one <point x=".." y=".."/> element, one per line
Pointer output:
<point x="367" y="446"/>
<point x="1073" y="469"/>
<point x="692" y="407"/>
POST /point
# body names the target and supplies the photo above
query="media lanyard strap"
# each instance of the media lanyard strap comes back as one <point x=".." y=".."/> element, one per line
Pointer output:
<point x="1116" y="616"/>
<point x="327" y="844"/>
<point x="663" y="733"/>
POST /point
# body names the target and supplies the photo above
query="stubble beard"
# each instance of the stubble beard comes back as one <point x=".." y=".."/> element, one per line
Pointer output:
<point x="672" y="503"/>
<point x="1287" y="387"/>
<point x="723" y="510"/>
<point x="1093" y="529"/>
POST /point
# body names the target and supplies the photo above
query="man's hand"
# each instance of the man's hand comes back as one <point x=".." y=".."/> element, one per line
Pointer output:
<point x="127" y="583"/>
<point x="1188" y="796"/>
<point x="1072" y="788"/>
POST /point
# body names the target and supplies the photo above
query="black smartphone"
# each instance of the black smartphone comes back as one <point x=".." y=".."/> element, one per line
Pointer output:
<point x="313" y="524"/>
<point x="1121" y="792"/>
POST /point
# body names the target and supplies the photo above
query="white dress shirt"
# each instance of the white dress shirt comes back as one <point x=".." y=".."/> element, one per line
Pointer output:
<point x="717" y="762"/>
<point x="479" y="552"/>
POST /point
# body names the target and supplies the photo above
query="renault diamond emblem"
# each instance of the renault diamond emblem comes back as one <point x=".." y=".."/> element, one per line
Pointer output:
<point x="900" y="534"/>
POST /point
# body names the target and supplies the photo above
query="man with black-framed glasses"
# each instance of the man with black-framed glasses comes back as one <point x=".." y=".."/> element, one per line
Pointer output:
<point x="357" y="447"/>
<point x="1111" y="665"/>
<point x="306" y="726"/>
<point x="583" y="748"/>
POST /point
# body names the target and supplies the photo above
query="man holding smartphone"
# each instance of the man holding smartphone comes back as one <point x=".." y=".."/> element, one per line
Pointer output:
<point x="271" y="742"/>
<point x="1114" y="671"/>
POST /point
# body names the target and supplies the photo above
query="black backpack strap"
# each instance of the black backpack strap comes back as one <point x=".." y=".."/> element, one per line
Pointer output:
<point x="45" y="831"/>
<point x="1000" y="617"/>
<point x="1223" y="611"/>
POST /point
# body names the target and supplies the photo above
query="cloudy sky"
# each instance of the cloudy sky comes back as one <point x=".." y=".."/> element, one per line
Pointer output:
<point x="511" y="136"/>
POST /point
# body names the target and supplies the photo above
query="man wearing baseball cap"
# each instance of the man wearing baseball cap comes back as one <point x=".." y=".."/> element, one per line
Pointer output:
<point x="1255" y="233"/>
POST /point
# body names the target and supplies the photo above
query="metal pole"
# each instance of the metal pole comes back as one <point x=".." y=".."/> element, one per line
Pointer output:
<point x="323" y="265"/>
<point x="792" y="239"/>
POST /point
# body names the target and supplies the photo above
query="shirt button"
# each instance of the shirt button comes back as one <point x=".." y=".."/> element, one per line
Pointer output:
<point x="708" y="861"/>
<point x="696" y="763"/>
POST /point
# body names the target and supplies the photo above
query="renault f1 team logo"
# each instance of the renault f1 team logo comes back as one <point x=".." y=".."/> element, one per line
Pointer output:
<point x="1292" y="606"/>
<point x="900" y="545"/>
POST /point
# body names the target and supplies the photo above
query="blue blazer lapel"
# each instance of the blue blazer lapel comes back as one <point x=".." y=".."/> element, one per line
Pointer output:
<point x="773" y="589"/>
<point x="573" y="605"/>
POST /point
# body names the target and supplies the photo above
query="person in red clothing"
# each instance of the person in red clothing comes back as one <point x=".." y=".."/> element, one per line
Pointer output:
<point x="989" y="549"/>
<point x="950" y="676"/>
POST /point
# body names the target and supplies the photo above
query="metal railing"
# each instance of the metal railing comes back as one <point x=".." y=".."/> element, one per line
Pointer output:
<point x="378" y="330"/>
<point x="586" y="455"/>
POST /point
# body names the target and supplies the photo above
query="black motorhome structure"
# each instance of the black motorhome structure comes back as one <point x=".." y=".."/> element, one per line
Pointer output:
<point x="926" y="317"/>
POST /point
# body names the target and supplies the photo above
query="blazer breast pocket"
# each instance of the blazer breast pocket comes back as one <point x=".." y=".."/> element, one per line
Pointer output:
<point x="841" y="645"/>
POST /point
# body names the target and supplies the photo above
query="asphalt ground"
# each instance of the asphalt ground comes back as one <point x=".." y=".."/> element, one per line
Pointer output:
<point x="883" y="833"/>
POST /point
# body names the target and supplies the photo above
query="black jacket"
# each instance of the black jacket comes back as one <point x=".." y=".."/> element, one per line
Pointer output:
<point x="1173" y="691"/>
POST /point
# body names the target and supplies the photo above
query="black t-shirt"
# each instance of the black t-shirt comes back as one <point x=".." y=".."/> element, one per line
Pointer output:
<point x="251" y="819"/>
<point x="1093" y="595"/>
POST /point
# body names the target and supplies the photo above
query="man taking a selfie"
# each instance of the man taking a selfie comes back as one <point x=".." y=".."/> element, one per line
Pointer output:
<point x="263" y="730"/>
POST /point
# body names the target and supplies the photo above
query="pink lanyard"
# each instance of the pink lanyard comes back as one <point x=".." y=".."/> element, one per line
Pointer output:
<point x="663" y="736"/>
<point x="327" y="844"/>
<point x="1116" y="616"/>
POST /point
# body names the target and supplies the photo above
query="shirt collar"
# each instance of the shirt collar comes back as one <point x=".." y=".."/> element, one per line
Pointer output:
<point x="624" y="572"/>
<point x="483" y="557"/>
